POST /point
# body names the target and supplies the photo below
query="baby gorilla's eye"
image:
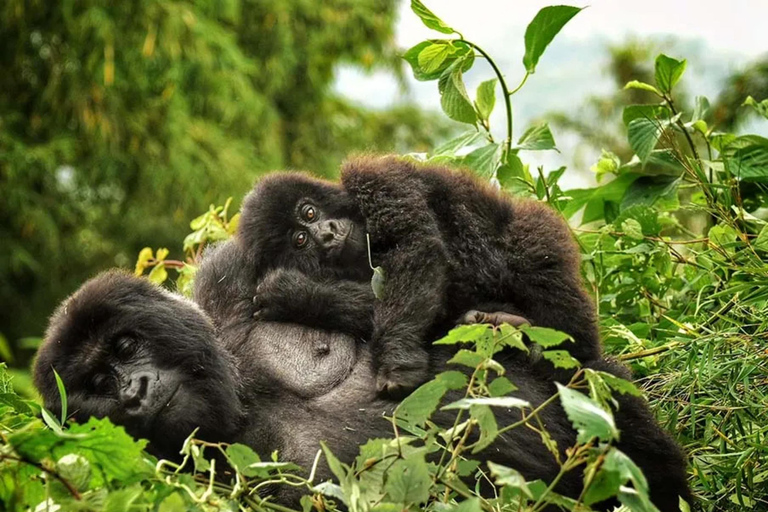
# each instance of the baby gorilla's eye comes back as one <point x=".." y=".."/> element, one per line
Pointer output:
<point x="308" y="212"/>
<point x="125" y="347"/>
<point x="300" y="238"/>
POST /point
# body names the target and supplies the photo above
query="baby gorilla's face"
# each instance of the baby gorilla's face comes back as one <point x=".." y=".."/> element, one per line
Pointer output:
<point x="335" y="242"/>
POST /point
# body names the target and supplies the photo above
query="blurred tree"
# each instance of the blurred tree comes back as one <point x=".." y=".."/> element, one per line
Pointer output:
<point x="120" y="121"/>
<point x="753" y="81"/>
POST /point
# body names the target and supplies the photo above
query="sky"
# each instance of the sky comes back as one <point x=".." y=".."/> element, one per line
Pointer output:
<point x="717" y="39"/>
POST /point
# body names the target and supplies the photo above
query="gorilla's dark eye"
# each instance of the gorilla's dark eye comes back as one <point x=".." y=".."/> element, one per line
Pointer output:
<point x="125" y="347"/>
<point x="308" y="212"/>
<point x="101" y="383"/>
<point x="300" y="238"/>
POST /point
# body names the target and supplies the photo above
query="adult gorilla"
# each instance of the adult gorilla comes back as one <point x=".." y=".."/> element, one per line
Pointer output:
<point x="154" y="362"/>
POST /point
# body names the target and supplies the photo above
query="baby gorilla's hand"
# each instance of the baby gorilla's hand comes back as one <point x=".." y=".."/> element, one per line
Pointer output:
<point x="279" y="294"/>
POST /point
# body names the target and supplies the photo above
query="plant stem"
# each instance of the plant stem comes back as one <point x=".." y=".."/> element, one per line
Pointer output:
<point x="504" y="90"/>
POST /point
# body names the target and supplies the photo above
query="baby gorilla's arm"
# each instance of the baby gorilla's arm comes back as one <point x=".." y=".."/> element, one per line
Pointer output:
<point x="286" y="295"/>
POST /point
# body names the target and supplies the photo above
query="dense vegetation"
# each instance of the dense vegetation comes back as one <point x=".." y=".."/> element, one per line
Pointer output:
<point x="675" y="244"/>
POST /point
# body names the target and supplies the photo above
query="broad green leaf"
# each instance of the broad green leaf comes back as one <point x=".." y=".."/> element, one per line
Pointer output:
<point x="241" y="457"/>
<point x="484" y="160"/>
<point x="454" y="98"/>
<point x="162" y="253"/>
<point x="461" y="51"/>
<point x="722" y="236"/>
<point x="501" y="386"/>
<point x="537" y="138"/>
<point x="561" y="359"/>
<point x="467" y="358"/>
<point x="485" y="419"/>
<point x="760" y="107"/>
<point x="618" y="384"/>
<point x="761" y="242"/>
<point x="644" y="134"/>
<point x="486" y="98"/>
<point x="587" y="417"/>
<point x="636" y="501"/>
<point x="616" y="470"/>
<point x="465" y="334"/>
<point x="453" y="145"/>
<point x="158" y="274"/>
<point x="635" y="84"/>
<point x="417" y="407"/>
<point x="655" y="112"/>
<point x="542" y="30"/>
<point x="507" y="402"/>
<point x="545" y="336"/>
<point x="408" y="481"/>
<point x="510" y="477"/>
<point x="750" y="163"/>
<point x="429" y="18"/>
<point x="433" y="56"/>
<point x="648" y="190"/>
<point x="668" y="72"/>
<point x="468" y="505"/>
<point x="76" y="470"/>
<point x="338" y="469"/>
<point x="511" y="173"/>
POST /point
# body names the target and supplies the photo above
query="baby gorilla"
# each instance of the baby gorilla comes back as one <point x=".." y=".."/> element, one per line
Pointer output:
<point x="448" y="244"/>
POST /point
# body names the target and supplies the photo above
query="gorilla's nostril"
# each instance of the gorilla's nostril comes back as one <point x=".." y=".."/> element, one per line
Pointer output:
<point x="322" y="349"/>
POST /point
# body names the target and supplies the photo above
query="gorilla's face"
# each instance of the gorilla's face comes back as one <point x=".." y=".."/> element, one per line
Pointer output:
<point x="291" y="220"/>
<point x="148" y="360"/>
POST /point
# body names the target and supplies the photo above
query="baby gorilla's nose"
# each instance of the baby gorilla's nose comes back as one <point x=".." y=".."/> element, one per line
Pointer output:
<point x="322" y="349"/>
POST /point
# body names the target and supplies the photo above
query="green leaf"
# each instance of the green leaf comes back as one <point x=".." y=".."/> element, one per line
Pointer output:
<point x="485" y="419"/>
<point x="668" y="72"/>
<point x="722" y="236"/>
<point x="429" y="18"/>
<point x="760" y="107"/>
<point x="508" y="402"/>
<point x="632" y="229"/>
<point x="545" y="336"/>
<point x="76" y="470"/>
<point x="644" y="134"/>
<point x="465" y="139"/>
<point x="761" y="242"/>
<point x="62" y="395"/>
<point x="750" y="163"/>
<point x="542" y="30"/>
<point x="616" y="470"/>
<point x="433" y="56"/>
<point x="468" y="505"/>
<point x="501" y="386"/>
<point x="561" y="359"/>
<point x="408" y="481"/>
<point x="486" y="98"/>
<point x="648" y="190"/>
<point x="484" y="160"/>
<point x="158" y="274"/>
<point x="510" y="477"/>
<point x="620" y="385"/>
<point x="417" y="407"/>
<point x="454" y="98"/>
<point x="378" y="280"/>
<point x="537" y="138"/>
<point x="241" y="457"/>
<point x="338" y="469"/>
<point x="656" y="112"/>
<point x="460" y="51"/>
<point x="467" y="358"/>
<point x="609" y="163"/>
<point x="465" y="334"/>
<point x="634" y="84"/>
<point x="587" y="417"/>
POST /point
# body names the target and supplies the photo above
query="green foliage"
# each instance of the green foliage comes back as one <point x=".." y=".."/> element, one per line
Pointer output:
<point x="674" y="242"/>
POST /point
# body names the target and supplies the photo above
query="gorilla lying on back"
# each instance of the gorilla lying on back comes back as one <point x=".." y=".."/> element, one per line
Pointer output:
<point x="448" y="244"/>
<point x="174" y="375"/>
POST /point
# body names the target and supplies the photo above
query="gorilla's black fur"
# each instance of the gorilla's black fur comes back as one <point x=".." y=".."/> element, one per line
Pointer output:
<point x="448" y="243"/>
<point x="147" y="359"/>
<point x="252" y="382"/>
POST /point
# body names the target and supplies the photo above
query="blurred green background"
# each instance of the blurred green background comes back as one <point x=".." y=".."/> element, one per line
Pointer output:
<point x="121" y="121"/>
